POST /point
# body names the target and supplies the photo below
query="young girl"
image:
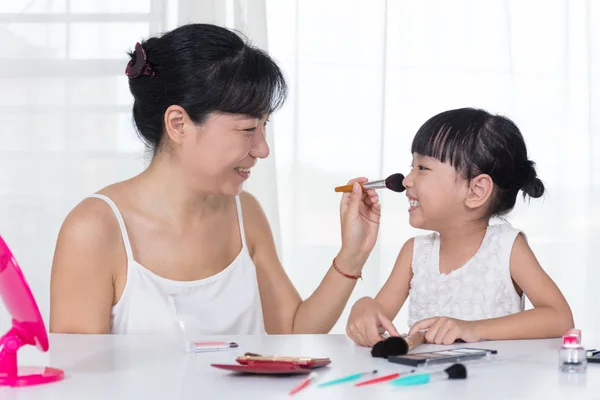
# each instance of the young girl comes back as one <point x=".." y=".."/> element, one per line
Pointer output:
<point x="468" y="279"/>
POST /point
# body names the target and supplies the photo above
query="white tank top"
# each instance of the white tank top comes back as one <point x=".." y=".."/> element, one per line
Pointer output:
<point x="227" y="303"/>
<point x="482" y="288"/>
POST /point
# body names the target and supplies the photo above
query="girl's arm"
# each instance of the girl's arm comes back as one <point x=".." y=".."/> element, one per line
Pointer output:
<point x="550" y="317"/>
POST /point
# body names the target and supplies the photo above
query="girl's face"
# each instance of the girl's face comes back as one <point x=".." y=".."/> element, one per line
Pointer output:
<point x="436" y="194"/>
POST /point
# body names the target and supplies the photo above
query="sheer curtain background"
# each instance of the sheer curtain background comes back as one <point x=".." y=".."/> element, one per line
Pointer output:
<point x="363" y="77"/>
<point x="366" y="75"/>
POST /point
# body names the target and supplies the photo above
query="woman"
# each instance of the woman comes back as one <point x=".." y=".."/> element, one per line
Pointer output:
<point x="183" y="234"/>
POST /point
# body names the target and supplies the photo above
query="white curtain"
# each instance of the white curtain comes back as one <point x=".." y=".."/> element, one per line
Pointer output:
<point x="65" y="111"/>
<point x="366" y="74"/>
<point x="363" y="77"/>
<point x="65" y="116"/>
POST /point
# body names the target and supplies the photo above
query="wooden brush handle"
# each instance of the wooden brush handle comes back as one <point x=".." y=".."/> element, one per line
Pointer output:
<point x="414" y="340"/>
<point x="345" y="188"/>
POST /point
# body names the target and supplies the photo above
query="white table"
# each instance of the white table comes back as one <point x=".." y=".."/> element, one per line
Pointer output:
<point x="147" y="367"/>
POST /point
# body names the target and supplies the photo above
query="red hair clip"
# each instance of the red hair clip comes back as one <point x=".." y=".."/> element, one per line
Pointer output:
<point x="139" y="65"/>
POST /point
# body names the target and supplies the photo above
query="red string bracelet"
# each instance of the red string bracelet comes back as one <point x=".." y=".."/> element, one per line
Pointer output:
<point x="359" y="276"/>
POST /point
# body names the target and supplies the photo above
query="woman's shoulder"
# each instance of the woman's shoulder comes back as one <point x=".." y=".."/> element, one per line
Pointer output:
<point x="257" y="228"/>
<point x="249" y="201"/>
<point x="252" y="207"/>
<point x="93" y="219"/>
<point x="89" y="243"/>
<point x="252" y="211"/>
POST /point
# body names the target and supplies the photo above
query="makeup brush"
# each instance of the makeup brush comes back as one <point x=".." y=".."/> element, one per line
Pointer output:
<point x="385" y="378"/>
<point x="392" y="182"/>
<point x="455" y="371"/>
<point x="346" y="378"/>
<point x="305" y="382"/>
<point x="397" y="345"/>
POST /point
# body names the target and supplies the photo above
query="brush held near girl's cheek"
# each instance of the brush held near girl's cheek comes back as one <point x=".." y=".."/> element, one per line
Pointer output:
<point x="392" y="182"/>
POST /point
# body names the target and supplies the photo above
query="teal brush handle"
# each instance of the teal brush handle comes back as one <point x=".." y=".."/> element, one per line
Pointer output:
<point x="341" y="380"/>
<point x="411" y="380"/>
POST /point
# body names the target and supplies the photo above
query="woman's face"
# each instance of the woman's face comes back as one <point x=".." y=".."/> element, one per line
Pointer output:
<point x="220" y="154"/>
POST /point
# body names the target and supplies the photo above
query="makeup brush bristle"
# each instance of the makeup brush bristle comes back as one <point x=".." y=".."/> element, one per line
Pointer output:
<point x="456" y="371"/>
<point x="395" y="346"/>
<point x="377" y="350"/>
<point x="392" y="346"/>
<point x="394" y="182"/>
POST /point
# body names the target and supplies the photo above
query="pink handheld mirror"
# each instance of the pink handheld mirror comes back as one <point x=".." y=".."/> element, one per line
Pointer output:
<point x="27" y="327"/>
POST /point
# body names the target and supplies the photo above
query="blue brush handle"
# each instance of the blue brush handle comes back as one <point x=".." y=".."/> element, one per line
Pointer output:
<point x="411" y="380"/>
<point x="340" y="380"/>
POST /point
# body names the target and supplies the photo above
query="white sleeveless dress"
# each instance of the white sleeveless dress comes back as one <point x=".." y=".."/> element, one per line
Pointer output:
<point x="482" y="288"/>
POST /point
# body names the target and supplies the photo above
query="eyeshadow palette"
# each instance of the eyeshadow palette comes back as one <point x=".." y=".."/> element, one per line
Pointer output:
<point x="442" y="357"/>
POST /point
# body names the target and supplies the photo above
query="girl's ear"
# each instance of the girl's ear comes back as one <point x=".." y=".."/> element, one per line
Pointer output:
<point x="480" y="190"/>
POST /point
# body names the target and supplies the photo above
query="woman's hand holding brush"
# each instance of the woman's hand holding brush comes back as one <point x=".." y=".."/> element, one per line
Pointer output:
<point x="393" y="182"/>
<point x="359" y="216"/>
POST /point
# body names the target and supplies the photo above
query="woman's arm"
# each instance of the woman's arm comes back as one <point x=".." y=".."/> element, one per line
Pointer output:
<point x="283" y="309"/>
<point x="81" y="283"/>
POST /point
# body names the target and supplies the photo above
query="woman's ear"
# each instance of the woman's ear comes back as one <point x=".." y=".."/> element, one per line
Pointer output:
<point x="175" y="121"/>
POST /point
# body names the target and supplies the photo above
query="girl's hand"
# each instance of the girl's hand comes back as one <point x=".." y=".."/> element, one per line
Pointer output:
<point x="443" y="330"/>
<point x="367" y="323"/>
